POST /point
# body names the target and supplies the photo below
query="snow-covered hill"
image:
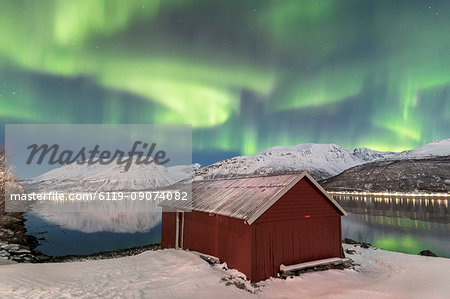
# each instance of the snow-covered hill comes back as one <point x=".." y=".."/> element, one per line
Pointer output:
<point x="422" y="170"/>
<point x="320" y="160"/>
<point x="431" y="149"/>
<point x="425" y="175"/>
<point x="112" y="177"/>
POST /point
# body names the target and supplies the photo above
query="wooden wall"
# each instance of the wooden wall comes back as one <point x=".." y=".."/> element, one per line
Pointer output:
<point x="168" y="229"/>
<point x="301" y="226"/>
<point x="224" y="237"/>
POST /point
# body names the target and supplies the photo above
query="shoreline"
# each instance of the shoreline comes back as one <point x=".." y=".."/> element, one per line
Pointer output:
<point x="40" y="258"/>
<point x="101" y="255"/>
<point x="402" y="194"/>
<point x="15" y="244"/>
<point x="18" y="246"/>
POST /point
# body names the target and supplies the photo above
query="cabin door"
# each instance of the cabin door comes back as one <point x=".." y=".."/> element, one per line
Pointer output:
<point x="179" y="230"/>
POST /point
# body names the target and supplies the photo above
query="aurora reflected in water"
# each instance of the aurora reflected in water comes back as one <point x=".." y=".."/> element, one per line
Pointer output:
<point x="403" y="224"/>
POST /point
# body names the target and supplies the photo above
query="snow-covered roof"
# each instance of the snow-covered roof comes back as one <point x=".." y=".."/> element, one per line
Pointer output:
<point x="244" y="198"/>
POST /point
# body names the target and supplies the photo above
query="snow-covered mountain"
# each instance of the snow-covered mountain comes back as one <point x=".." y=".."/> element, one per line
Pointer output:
<point x="418" y="175"/>
<point x="431" y="149"/>
<point x="320" y="160"/>
<point x="422" y="170"/>
<point x="112" y="177"/>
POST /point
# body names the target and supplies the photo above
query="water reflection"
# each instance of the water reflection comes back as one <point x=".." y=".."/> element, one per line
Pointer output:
<point x="404" y="224"/>
<point x="58" y="241"/>
<point x="82" y="228"/>
<point x="123" y="216"/>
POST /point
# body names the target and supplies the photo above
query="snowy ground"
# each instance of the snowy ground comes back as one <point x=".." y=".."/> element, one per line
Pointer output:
<point x="171" y="273"/>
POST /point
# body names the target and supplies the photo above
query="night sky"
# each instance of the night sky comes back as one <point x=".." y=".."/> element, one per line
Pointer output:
<point x="246" y="74"/>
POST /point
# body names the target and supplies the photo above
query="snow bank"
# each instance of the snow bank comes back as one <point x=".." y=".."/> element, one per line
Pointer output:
<point x="381" y="274"/>
<point x="173" y="273"/>
<point x="153" y="274"/>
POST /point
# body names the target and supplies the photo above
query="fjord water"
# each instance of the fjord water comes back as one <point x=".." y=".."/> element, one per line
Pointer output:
<point x="57" y="240"/>
<point x="81" y="228"/>
<point x="404" y="224"/>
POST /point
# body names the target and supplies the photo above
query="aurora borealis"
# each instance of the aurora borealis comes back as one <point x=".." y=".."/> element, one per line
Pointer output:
<point x="246" y="74"/>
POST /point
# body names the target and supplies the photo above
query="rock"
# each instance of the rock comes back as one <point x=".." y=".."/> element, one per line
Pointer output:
<point x="31" y="241"/>
<point x="16" y="253"/>
<point x="21" y="251"/>
<point x="4" y="254"/>
<point x="10" y="247"/>
<point x="356" y="243"/>
<point x="6" y="233"/>
<point x="43" y="258"/>
<point x="365" y="245"/>
<point x="350" y="241"/>
<point x="24" y="258"/>
<point x="350" y="251"/>
<point x="427" y="253"/>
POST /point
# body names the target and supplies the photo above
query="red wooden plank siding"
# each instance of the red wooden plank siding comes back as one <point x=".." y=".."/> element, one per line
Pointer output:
<point x="224" y="237"/>
<point x="168" y="229"/>
<point x="292" y="242"/>
<point x="301" y="200"/>
<point x="283" y="235"/>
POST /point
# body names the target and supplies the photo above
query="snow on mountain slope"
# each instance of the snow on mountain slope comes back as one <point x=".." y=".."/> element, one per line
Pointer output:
<point x="425" y="175"/>
<point x="110" y="177"/>
<point x="432" y="148"/>
<point x="320" y="160"/>
<point x="368" y="155"/>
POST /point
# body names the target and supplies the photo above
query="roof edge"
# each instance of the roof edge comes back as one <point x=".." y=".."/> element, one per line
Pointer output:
<point x="274" y="199"/>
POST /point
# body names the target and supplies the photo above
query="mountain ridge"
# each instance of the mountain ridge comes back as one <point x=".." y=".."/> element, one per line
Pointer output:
<point x="322" y="161"/>
<point x="418" y="175"/>
<point x="111" y="177"/>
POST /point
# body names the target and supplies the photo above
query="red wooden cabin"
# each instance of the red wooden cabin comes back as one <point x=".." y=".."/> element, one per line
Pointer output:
<point x="256" y="223"/>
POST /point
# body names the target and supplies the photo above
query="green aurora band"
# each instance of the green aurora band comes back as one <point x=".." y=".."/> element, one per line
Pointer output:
<point x="246" y="74"/>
